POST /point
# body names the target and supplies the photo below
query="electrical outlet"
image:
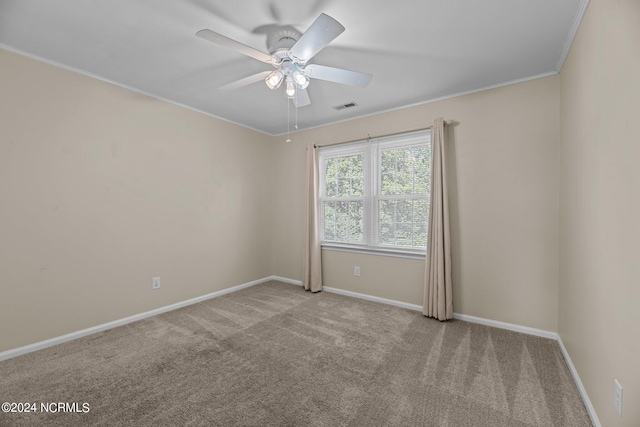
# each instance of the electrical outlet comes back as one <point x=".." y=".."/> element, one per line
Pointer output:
<point x="617" y="398"/>
<point x="155" y="283"/>
<point x="356" y="271"/>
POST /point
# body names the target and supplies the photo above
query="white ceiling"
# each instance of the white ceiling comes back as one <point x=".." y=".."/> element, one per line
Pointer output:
<point x="417" y="50"/>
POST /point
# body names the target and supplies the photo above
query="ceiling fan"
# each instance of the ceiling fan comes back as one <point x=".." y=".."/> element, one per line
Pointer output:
<point x="289" y="57"/>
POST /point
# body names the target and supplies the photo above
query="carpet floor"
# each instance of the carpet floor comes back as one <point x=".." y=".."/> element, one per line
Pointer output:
<point x="274" y="355"/>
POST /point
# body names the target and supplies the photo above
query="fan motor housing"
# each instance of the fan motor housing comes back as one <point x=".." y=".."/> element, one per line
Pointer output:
<point x="280" y="49"/>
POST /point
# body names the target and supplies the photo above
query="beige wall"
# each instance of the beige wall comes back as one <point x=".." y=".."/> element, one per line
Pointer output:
<point x="504" y="202"/>
<point x="599" y="303"/>
<point x="102" y="189"/>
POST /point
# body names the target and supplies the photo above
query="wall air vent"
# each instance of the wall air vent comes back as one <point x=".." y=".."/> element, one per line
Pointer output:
<point x="343" y="106"/>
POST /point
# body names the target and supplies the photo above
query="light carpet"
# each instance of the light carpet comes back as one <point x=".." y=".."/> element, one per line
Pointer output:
<point x="275" y="355"/>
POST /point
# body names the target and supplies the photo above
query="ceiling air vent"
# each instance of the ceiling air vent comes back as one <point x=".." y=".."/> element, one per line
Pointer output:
<point x="347" y="105"/>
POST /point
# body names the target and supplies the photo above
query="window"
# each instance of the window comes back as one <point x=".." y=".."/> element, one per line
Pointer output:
<point x="374" y="195"/>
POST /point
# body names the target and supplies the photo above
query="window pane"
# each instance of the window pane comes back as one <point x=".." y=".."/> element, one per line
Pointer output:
<point x="344" y="187"/>
<point x="402" y="160"/>
<point x="357" y="165"/>
<point x="344" y="176"/>
<point x="404" y="171"/>
<point x="387" y="161"/>
<point x="356" y="211"/>
<point x="329" y="220"/>
<point x="420" y="235"/>
<point x="387" y="234"/>
<point x="331" y="187"/>
<point x="343" y="221"/>
<point x="404" y="183"/>
<point x="422" y="182"/>
<point x="400" y="172"/>
<point x="404" y="234"/>
<point x="387" y="184"/>
<point x="343" y="166"/>
<point x="386" y="211"/>
<point x="422" y="169"/>
<point x="331" y="182"/>
<point x="421" y="211"/>
<point x="404" y="211"/>
<point x="357" y="186"/>
<point x="403" y="222"/>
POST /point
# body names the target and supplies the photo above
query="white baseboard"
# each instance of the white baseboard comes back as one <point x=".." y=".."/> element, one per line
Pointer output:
<point x="576" y="378"/>
<point x="508" y="326"/>
<point x="372" y="298"/>
<point x="465" y="317"/>
<point x="8" y="354"/>
<point x="285" y="280"/>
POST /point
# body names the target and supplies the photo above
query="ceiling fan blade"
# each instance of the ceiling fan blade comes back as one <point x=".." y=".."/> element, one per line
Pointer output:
<point x="302" y="98"/>
<point x="246" y="81"/>
<point x="223" y="41"/>
<point x="323" y="30"/>
<point x="338" y="75"/>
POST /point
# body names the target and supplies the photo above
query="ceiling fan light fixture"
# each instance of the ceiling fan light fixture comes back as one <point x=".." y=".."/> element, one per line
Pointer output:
<point x="291" y="88"/>
<point x="290" y="52"/>
<point x="274" y="79"/>
<point x="301" y="80"/>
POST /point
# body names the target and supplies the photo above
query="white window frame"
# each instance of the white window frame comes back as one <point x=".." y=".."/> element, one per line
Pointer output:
<point x="344" y="151"/>
<point x="370" y="149"/>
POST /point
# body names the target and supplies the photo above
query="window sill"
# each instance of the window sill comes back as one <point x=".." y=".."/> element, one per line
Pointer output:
<point x="373" y="251"/>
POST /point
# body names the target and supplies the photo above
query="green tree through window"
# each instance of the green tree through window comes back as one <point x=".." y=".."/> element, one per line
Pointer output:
<point x="375" y="194"/>
<point x="344" y="204"/>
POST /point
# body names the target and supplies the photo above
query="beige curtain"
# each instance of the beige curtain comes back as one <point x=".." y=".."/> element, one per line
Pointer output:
<point x="438" y="294"/>
<point x="312" y="266"/>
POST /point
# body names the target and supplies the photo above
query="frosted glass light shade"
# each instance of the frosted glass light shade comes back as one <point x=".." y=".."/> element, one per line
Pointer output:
<point x="274" y="79"/>
<point x="301" y="80"/>
<point x="291" y="88"/>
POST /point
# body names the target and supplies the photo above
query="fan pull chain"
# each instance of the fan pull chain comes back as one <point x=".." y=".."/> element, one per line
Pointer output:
<point x="288" y="120"/>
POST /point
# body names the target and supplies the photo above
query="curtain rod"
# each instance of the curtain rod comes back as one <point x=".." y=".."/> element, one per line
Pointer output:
<point x="376" y="136"/>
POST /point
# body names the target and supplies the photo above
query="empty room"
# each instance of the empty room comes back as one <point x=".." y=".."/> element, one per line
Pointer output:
<point x="320" y="213"/>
